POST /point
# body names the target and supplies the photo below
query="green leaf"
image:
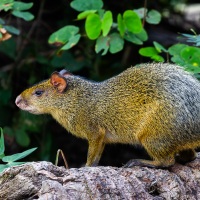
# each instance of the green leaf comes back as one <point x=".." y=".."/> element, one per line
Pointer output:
<point x="191" y="57"/>
<point x="61" y="36"/>
<point x="2" y="167"/>
<point x="116" y="43"/>
<point x="102" y="43"/>
<point x="132" y="21"/>
<point x="2" y="147"/>
<point x="14" y="164"/>
<point x="142" y="35"/>
<point x="27" y="16"/>
<point x="159" y="47"/>
<point x="72" y="42"/>
<point x="178" y="60"/>
<point x="141" y="12"/>
<point x="148" y="51"/>
<point x="106" y="23"/>
<point x="153" y="17"/>
<point x="82" y="5"/>
<point x="176" y="49"/>
<point x="193" y="39"/>
<point x="157" y="58"/>
<point x="21" y="5"/>
<point x="132" y="38"/>
<point x="6" y="5"/>
<point x="152" y="53"/>
<point x="93" y="26"/>
<point x="193" y="69"/>
<point x="1" y="35"/>
<point x="188" y="52"/>
<point x="138" y="38"/>
<point x="5" y="166"/>
<point x="121" y="25"/>
<point x="101" y="13"/>
<point x="12" y="30"/>
<point x="17" y="156"/>
<point x="84" y="14"/>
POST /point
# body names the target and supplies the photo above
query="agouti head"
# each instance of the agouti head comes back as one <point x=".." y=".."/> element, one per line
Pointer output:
<point x="39" y="98"/>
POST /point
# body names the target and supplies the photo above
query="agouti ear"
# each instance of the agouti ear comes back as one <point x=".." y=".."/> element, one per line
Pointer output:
<point x="65" y="73"/>
<point x="58" y="82"/>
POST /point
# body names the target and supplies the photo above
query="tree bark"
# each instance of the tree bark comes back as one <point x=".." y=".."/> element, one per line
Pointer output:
<point x="43" y="180"/>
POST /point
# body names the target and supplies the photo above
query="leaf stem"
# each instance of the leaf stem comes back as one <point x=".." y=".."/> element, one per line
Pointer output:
<point x="145" y="13"/>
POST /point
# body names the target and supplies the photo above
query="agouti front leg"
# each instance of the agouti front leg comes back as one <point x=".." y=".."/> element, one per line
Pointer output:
<point x="95" y="149"/>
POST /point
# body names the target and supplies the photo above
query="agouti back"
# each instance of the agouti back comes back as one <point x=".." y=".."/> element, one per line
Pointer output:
<point x="153" y="105"/>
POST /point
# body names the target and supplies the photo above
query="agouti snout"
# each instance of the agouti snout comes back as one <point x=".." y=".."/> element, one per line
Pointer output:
<point x="154" y="105"/>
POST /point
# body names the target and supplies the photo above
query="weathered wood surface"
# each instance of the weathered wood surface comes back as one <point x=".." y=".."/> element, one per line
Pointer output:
<point x="43" y="180"/>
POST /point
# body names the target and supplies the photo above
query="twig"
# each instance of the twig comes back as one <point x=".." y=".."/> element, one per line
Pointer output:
<point x="63" y="156"/>
<point x="145" y="13"/>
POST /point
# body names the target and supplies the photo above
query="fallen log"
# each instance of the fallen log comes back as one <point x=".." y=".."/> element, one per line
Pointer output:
<point x="43" y="180"/>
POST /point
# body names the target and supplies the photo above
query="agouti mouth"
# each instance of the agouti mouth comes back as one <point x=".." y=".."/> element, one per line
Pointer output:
<point x="33" y="112"/>
<point x="30" y="110"/>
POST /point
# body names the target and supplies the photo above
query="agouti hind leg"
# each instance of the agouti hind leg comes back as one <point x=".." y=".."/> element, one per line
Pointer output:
<point x="183" y="157"/>
<point x="161" y="159"/>
<point x="151" y="163"/>
<point x="186" y="156"/>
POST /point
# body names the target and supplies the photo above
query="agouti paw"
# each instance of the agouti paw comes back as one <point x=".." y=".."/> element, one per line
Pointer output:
<point x="132" y="163"/>
<point x="142" y="163"/>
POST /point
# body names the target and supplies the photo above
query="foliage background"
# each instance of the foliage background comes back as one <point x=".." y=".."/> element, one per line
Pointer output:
<point x="27" y="58"/>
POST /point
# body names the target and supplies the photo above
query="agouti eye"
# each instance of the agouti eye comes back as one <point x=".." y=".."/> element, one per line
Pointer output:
<point x="38" y="93"/>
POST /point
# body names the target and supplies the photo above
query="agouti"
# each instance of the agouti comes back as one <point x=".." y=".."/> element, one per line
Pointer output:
<point x="153" y="105"/>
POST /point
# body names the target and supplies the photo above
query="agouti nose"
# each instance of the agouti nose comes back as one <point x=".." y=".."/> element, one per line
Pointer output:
<point x="18" y="100"/>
